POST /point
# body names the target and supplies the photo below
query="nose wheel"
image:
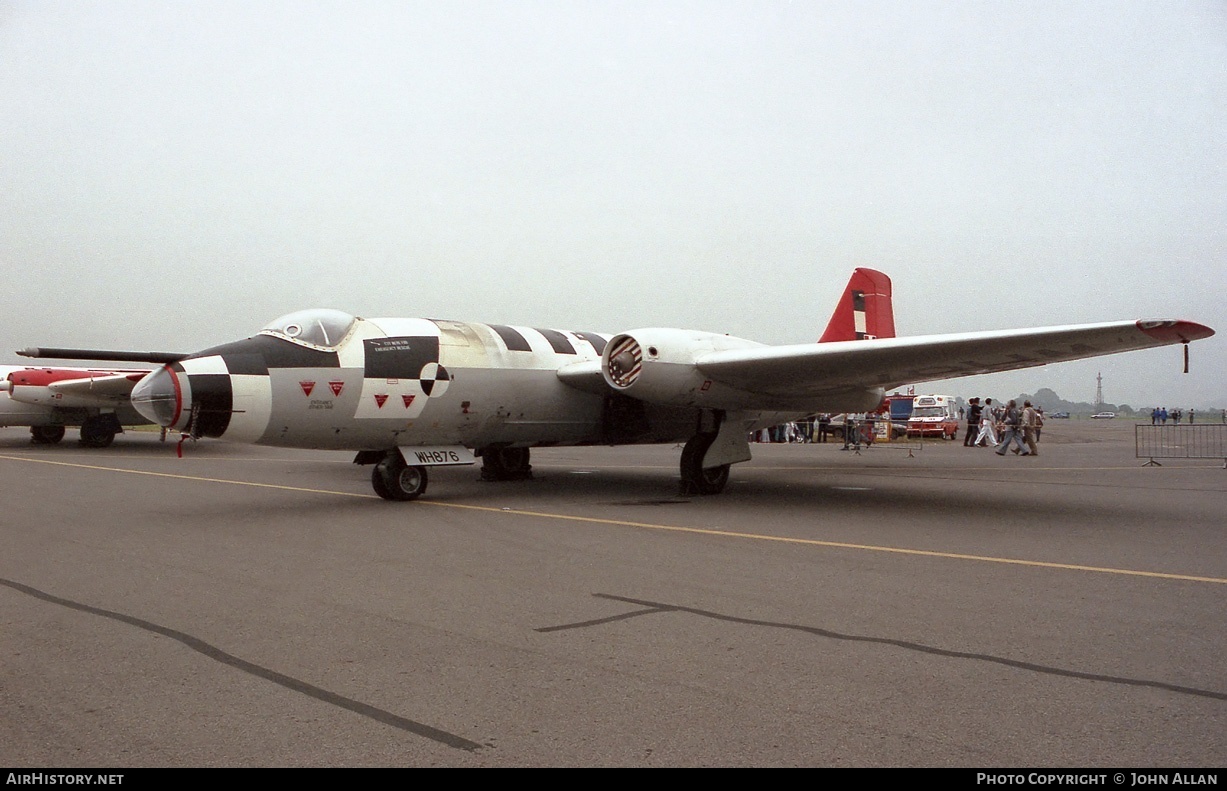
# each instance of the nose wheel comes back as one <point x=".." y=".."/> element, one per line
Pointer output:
<point x="393" y="479"/>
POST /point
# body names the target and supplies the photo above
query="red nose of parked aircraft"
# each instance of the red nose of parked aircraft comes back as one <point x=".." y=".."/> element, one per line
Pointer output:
<point x="160" y="397"/>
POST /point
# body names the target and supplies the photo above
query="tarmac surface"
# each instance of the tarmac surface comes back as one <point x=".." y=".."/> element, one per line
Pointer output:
<point x="247" y="606"/>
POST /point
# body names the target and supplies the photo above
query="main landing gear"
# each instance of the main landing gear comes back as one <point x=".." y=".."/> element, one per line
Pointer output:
<point x="696" y="479"/>
<point x="505" y="464"/>
<point x="99" y="431"/>
<point x="46" y="435"/>
<point x="394" y="479"/>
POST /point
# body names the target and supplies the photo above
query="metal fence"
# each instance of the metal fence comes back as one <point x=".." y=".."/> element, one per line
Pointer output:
<point x="1183" y="441"/>
<point x="860" y="433"/>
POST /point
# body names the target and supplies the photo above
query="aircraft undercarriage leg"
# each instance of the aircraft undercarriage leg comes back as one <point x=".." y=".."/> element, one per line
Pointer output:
<point x="46" y="435"/>
<point x="506" y="464"/>
<point x="695" y="478"/>
<point x="99" y="431"/>
<point x="393" y="479"/>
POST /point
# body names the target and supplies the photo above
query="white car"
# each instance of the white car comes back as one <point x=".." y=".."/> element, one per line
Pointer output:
<point x="1103" y="416"/>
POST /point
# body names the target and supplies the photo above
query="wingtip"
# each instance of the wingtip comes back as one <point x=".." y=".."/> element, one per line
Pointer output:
<point x="1174" y="330"/>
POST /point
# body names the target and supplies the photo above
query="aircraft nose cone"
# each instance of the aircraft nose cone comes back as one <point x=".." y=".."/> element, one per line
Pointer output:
<point x="160" y="398"/>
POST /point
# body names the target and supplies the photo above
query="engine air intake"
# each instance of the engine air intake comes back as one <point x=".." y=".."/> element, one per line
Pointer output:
<point x="624" y="361"/>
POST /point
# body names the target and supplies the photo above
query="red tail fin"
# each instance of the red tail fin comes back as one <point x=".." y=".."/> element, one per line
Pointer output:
<point x="864" y="311"/>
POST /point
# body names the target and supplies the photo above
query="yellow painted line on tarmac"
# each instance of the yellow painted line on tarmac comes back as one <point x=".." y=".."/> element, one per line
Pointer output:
<point x="848" y="468"/>
<point x="653" y="526"/>
<point x="835" y="544"/>
<point x="184" y="477"/>
<point x="768" y="468"/>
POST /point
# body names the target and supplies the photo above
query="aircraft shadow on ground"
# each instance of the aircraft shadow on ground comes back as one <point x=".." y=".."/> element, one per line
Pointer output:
<point x="644" y="489"/>
<point x="860" y="493"/>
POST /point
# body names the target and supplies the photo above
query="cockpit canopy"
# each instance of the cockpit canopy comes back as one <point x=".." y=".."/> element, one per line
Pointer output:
<point x="321" y="327"/>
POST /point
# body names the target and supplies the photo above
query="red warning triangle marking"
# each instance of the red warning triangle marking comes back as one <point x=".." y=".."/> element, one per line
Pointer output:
<point x="307" y="387"/>
<point x="336" y="387"/>
<point x="380" y="399"/>
<point x="408" y="399"/>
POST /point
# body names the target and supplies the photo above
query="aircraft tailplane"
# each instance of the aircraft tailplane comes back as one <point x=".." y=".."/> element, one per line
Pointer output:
<point x="864" y="311"/>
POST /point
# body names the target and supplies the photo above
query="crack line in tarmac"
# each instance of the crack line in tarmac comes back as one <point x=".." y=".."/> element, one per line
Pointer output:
<point x="293" y="684"/>
<point x="658" y="607"/>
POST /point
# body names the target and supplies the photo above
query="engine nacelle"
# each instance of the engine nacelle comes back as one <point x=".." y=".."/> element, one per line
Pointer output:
<point x="658" y="365"/>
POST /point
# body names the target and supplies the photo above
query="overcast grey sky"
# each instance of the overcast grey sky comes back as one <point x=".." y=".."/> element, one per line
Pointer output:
<point x="173" y="175"/>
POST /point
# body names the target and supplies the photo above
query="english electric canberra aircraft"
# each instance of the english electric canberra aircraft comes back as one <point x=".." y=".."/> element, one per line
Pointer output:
<point x="408" y="394"/>
<point x="48" y="399"/>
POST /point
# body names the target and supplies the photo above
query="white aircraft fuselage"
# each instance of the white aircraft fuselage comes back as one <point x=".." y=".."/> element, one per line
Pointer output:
<point x="416" y="382"/>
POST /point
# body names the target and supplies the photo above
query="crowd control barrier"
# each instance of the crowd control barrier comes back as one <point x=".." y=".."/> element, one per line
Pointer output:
<point x="860" y="433"/>
<point x="1182" y="441"/>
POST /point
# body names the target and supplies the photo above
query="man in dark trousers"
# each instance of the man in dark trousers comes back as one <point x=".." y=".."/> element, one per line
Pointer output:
<point x="973" y="421"/>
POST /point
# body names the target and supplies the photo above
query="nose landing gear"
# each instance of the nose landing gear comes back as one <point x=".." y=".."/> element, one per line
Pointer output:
<point x="394" y="479"/>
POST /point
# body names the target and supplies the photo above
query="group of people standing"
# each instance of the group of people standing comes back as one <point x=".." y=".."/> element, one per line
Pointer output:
<point x="798" y="431"/>
<point x="1018" y="427"/>
<point x="1159" y="416"/>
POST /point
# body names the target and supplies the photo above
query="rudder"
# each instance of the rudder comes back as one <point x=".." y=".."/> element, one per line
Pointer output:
<point x="864" y="311"/>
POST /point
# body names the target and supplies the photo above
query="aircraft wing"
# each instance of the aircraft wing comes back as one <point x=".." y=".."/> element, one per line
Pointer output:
<point x="585" y="376"/>
<point x="106" y="387"/>
<point x="813" y="369"/>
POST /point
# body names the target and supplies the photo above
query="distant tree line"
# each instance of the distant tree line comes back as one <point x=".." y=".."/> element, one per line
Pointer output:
<point x="1051" y="402"/>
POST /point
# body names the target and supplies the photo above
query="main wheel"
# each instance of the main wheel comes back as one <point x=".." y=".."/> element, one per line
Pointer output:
<point x="506" y="464"/>
<point x="378" y="484"/>
<point x="96" y="433"/>
<point x="695" y="478"/>
<point x="392" y="479"/>
<point x="46" y="435"/>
